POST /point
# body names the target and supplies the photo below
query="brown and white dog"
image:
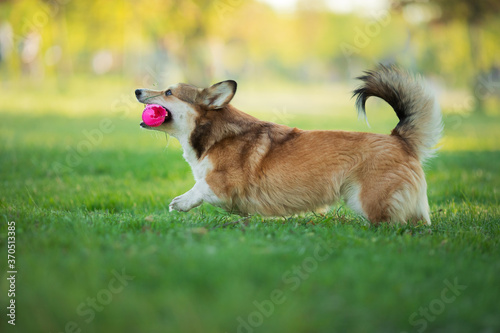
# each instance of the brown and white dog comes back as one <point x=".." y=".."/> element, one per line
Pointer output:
<point x="249" y="166"/>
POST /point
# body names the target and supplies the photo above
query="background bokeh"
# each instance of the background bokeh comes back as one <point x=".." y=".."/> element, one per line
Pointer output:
<point x="59" y="44"/>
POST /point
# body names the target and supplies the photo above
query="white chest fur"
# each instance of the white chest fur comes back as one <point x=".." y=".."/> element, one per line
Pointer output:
<point x="200" y="168"/>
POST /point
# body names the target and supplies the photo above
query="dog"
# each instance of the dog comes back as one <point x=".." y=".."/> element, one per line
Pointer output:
<point x="248" y="166"/>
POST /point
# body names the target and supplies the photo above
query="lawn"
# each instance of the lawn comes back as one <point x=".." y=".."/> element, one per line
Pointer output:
<point x="98" y="251"/>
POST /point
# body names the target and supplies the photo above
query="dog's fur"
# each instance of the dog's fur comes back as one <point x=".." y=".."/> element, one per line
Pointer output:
<point x="249" y="166"/>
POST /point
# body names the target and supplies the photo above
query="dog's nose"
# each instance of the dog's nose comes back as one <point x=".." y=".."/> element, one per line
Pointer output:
<point x="138" y="92"/>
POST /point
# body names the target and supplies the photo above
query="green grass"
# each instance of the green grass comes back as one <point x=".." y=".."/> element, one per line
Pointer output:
<point x="205" y="270"/>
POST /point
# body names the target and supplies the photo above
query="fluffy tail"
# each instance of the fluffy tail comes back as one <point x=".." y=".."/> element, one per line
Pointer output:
<point x="419" y="114"/>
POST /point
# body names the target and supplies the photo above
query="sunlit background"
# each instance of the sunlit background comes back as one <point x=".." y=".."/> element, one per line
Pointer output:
<point x="78" y="52"/>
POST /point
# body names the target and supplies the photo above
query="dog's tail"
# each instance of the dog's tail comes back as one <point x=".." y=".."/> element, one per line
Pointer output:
<point x="419" y="114"/>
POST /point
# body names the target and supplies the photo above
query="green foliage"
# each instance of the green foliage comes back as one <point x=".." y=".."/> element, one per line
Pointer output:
<point x="208" y="40"/>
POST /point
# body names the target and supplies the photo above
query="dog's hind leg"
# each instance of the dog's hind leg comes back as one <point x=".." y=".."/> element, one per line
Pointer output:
<point x="374" y="201"/>
<point x="352" y="197"/>
<point x="407" y="204"/>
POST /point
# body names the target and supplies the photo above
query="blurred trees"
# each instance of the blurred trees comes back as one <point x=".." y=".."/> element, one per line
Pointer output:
<point x="480" y="18"/>
<point x="199" y="41"/>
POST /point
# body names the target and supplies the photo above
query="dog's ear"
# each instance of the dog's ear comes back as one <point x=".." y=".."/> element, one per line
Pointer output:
<point x="219" y="95"/>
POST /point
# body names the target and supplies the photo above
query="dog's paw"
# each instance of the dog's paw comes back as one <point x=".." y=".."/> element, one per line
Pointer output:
<point x="180" y="204"/>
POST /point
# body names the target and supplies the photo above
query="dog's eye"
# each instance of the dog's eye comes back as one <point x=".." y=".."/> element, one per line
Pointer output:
<point x="168" y="92"/>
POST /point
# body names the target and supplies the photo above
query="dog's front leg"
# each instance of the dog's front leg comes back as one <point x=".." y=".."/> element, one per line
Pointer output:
<point x="193" y="198"/>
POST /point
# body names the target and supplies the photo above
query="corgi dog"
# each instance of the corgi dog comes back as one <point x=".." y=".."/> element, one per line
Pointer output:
<point x="248" y="166"/>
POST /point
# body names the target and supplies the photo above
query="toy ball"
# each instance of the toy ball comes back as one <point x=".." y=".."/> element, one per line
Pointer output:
<point x="154" y="115"/>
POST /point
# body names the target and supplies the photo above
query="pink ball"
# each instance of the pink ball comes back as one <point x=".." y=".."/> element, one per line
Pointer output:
<point x="154" y="115"/>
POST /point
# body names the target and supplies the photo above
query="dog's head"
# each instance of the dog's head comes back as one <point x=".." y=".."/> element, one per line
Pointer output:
<point x="185" y="103"/>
